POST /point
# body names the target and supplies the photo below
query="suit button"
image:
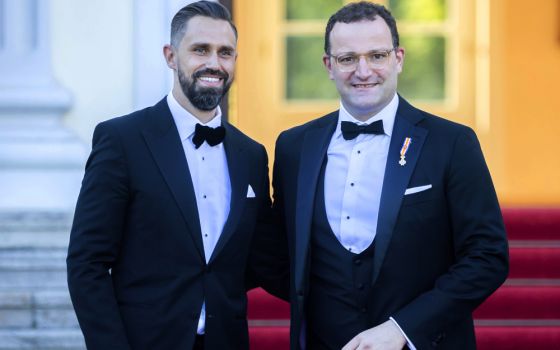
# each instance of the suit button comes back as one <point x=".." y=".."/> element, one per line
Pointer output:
<point x="300" y="293"/>
<point x="358" y="262"/>
<point x="209" y="316"/>
<point x="363" y="310"/>
<point x="360" y="286"/>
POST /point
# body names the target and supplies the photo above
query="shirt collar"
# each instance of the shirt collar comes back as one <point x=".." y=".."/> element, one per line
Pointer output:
<point x="185" y="121"/>
<point x="387" y="114"/>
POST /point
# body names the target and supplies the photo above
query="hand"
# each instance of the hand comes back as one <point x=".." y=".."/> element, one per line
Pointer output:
<point x="386" y="336"/>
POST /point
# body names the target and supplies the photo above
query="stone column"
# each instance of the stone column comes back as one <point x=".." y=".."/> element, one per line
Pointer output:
<point x="41" y="161"/>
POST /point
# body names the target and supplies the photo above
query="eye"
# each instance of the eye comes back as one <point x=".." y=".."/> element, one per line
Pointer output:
<point x="347" y="59"/>
<point x="227" y="53"/>
<point x="201" y="51"/>
<point x="378" y="56"/>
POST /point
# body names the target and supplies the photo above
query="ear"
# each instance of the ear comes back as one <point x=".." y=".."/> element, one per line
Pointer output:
<point x="169" y="54"/>
<point x="399" y="53"/>
<point x="328" y="65"/>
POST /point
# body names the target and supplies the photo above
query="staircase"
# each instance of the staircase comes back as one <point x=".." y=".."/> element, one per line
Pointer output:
<point x="522" y="314"/>
<point x="525" y="312"/>
<point x="36" y="313"/>
<point x="35" y="307"/>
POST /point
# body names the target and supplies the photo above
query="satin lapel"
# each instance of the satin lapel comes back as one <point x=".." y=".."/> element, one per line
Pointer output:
<point x="396" y="178"/>
<point x="238" y="167"/>
<point x="165" y="145"/>
<point x="314" y="149"/>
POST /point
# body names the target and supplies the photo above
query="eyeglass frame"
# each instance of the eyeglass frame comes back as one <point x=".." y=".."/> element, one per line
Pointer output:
<point x="364" y="55"/>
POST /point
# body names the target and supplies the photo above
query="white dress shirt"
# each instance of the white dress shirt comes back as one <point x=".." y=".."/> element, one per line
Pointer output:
<point x="354" y="180"/>
<point x="210" y="177"/>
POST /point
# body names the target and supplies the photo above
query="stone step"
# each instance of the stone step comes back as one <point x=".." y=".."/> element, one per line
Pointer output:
<point x="32" y="259"/>
<point x="33" y="268"/>
<point x="34" y="239"/>
<point x="35" y="221"/>
<point x="42" y="339"/>
<point x="34" y="280"/>
<point x="36" y="309"/>
<point x="39" y="299"/>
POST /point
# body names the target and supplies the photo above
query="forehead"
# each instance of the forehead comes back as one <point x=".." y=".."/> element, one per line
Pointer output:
<point x="206" y="30"/>
<point x="359" y="36"/>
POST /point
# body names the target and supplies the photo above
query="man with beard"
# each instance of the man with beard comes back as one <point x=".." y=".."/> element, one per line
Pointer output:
<point x="168" y="205"/>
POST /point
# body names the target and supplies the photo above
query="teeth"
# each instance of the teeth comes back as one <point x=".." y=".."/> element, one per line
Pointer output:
<point x="210" y="79"/>
<point x="364" y="85"/>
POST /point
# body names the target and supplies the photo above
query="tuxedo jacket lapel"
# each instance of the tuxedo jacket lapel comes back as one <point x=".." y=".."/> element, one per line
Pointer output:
<point x="166" y="147"/>
<point x="238" y="167"/>
<point x="314" y="149"/>
<point x="397" y="177"/>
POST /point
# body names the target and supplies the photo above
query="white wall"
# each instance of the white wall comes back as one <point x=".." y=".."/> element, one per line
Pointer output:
<point x="92" y="55"/>
<point x="108" y="54"/>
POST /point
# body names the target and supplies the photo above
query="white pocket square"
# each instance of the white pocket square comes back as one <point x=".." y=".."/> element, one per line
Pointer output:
<point x="417" y="189"/>
<point x="250" y="192"/>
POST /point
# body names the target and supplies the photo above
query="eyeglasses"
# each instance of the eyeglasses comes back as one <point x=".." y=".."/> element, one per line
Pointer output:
<point x="348" y="62"/>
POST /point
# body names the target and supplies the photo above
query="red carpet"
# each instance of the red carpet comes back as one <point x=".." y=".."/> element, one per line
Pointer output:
<point x="523" y="314"/>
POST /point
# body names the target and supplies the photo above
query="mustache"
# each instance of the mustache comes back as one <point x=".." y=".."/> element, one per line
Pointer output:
<point x="208" y="71"/>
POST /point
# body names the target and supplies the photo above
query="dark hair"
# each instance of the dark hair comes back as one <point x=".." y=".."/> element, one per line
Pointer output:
<point x="359" y="11"/>
<point x="200" y="8"/>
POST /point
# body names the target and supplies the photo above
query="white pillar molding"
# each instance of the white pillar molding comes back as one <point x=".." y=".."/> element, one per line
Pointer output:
<point x="26" y="82"/>
<point x="41" y="162"/>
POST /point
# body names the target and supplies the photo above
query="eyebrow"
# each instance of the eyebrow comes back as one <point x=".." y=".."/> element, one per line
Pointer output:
<point x="207" y="46"/>
<point x="354" y="52"/>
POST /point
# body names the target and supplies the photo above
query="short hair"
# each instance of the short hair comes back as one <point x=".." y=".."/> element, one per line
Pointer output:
<point x="203" y="8"/>
<point x="359" y="11"/>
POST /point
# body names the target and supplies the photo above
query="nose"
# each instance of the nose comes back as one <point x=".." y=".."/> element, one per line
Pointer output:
<point x="363" y="70"/>
<point x="213" y="61"/>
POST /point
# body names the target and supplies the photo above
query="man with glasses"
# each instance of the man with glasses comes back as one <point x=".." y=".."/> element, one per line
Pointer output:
<point x="394" y="227"/>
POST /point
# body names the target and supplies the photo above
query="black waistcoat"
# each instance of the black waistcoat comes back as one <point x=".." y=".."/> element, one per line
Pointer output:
<point x="340" y="284"/>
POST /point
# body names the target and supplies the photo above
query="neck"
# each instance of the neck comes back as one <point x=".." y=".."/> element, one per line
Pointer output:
<point x="364" y="115"/>
<point x="203" y="116"/>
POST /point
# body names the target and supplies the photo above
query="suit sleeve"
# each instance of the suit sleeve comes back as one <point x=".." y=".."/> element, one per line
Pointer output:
<point x="269" y="254"/>
<point x="480" y="249"/>
<point x="95" y="239"/>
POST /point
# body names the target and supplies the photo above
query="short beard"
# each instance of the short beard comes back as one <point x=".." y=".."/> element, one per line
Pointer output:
<point x="205" y="99"/>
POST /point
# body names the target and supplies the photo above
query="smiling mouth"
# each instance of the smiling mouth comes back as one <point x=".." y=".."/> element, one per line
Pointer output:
<point x="210" y="79"/>
<point x="364" y="86"/>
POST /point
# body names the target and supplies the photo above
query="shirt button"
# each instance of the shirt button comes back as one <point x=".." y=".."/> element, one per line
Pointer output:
<point x="202" y="158"/>
<point x="359" y="152"/>
<point x="206" y="235"/>
<point x="204" y="196"/>
<point x="352" y="184"/>
<point x="348" y="218"/>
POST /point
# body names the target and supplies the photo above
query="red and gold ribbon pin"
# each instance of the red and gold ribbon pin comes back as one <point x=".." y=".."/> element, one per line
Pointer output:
<point x="404" y="149"/>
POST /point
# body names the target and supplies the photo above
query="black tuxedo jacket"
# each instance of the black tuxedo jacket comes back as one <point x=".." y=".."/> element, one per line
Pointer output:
<point x="438" y="253"/>
<point x="136" y="268"/>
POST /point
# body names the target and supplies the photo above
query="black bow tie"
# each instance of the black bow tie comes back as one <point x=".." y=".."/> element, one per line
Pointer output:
<point x="352" y="130"/>
<point x="212" y="136"/>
